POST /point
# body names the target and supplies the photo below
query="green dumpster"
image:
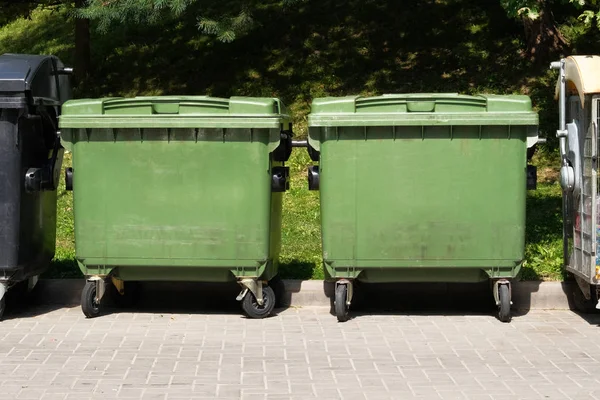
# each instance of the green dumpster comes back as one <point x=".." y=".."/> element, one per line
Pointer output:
<point x="421" y="188"/>
<point x="177" y="189"/>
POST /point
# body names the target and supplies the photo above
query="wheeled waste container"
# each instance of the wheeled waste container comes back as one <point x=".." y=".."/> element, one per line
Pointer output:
<point x="32" y="90"/>
<point x="421" y="188"/>
<point x="177" y="189"/>
<point x="578" y="93"/>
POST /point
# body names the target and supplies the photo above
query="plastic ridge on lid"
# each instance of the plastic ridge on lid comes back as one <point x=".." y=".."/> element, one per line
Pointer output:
<point x="174" y="111"/>
<point x="423" y="108"/>
<point x="189" y="105"/>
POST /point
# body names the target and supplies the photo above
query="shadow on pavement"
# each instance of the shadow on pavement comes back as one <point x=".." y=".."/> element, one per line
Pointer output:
<point x="424" y="299"/>
<point x="27" y="305"/>
<point x="182" y="298"/>
<point x="150" y="297"/>
<point x="220" y="298"/>
<point x="590" y="318"/>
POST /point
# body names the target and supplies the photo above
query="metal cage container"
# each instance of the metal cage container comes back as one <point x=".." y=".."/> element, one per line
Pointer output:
<point x="578" y="93"/>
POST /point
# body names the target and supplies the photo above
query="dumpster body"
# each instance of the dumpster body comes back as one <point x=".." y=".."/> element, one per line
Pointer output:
<point x="421" y="188"/>
<point x="32" y="90"/>
<point x="578" y="92"/>
<point x="178" y="189"/>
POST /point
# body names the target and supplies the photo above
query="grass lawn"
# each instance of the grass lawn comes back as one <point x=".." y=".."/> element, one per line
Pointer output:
<point x="543" y="237"/>
<point x="322" y="48"/>
<point x="301" y="233"/>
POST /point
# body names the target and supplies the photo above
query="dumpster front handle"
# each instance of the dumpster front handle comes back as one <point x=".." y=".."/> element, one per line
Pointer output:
<point x="284" y="150"/>
<point x="46" y="177"/>
<point x="280" y="179"/>
<point x="313" y="177"/>
<point x="64" y="71"/>
<point x="299" y="143"/>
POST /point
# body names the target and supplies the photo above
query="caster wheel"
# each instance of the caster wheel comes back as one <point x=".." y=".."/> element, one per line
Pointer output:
<point x="341" y="308"/>
<point x="2" y="307"/>
<point x="504" y="308"/>
<point x="584" y="305"/>
<point x="253" y="309"/>
<point x="68" y="178"/>
<point x="89" y="305"/>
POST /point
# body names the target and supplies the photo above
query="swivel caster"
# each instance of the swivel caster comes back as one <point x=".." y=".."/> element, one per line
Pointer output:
<point x="502" y="294"/>
<point x="3" y="290"/>
<point x="343" y="297"/>
<point x="258" y="300"/>
<point x="91" y="297"/>
<point x="255" y="310"/>
<point x="2" y="307"/>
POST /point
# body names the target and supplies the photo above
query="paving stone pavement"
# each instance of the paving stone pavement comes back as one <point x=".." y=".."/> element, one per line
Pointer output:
<point x="48" y="353"/>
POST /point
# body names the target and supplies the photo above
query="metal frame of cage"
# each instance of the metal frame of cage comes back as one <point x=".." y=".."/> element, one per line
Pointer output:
<point x="579" y="147"/>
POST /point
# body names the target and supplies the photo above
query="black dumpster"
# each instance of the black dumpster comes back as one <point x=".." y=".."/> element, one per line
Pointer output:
<point x="32" y="90"/>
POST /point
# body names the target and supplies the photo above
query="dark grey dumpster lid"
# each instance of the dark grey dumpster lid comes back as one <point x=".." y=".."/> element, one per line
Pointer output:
<point x="26" y="79"/>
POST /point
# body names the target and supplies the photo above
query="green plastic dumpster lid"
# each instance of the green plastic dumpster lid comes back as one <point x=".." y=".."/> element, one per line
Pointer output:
<point x="174" y="112"/>
<point x="422" y="109"/>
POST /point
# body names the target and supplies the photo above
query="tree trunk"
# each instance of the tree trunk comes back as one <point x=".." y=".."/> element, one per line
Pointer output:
<point x="542" y="35"/>
<point x="82" y="64"/>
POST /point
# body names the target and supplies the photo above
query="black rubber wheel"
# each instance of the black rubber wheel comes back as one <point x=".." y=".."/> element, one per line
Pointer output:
<point x="69" y="178"/>
<point x="341" y="308"/>
<point x="582" y="304"/>
<point x="2" y="306"/>
<point x="504" y="307"/>
<point x="89" y="305"/>
<point x="253" y="309"/>
<point x="312" y="153"/>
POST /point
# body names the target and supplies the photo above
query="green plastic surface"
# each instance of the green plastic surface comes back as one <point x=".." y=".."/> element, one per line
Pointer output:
<point x="174" y="112"/>
<point x="422" y="187"/>
<point x="171" y="189"/>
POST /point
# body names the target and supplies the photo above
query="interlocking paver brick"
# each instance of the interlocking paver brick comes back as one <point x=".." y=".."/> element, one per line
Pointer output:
<point x="300" y="353"/>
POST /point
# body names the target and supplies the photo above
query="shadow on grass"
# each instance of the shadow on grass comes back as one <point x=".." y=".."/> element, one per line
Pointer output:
<point x="296" y="269"/>
<point x="544" y="214"/>
<point x="322" y="48"/>
<point x="62" y="269"/>
<point x="543" y="236"/>
<point x="312" y="49"/>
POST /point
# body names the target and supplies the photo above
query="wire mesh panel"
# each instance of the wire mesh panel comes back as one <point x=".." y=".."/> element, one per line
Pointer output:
<point x="583" y="257"/>
<point x="594" y="128"/>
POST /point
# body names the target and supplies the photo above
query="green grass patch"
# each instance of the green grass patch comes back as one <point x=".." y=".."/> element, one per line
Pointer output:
<point x="543" y="238"/>
<point x="301" y="256"/>
<point x="64" y="264"/>
<point x="301" y="231"/>
<point x="319" y="48"/>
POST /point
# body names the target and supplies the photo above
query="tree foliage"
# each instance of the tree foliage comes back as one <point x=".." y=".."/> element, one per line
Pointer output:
<point x="108" y="12"/>
<point x="543" y="35"/>
<point x="226" y="20"/>
<point x="226" y="26"/>
<point x="12" y="9"/>
<point x="532" y="9"/>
